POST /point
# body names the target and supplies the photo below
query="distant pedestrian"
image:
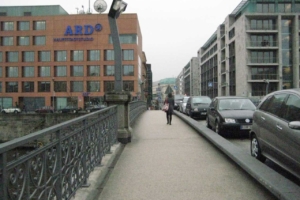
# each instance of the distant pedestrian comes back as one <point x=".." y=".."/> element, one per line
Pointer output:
<point x="24" y="108"/>
<point x="170" y="101"/>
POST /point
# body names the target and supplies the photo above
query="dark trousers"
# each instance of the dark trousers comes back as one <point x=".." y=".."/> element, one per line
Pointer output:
<point x="169" y="117"/>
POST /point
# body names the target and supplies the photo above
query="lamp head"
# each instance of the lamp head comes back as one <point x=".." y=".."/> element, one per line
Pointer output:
<point x="117" y="7"/>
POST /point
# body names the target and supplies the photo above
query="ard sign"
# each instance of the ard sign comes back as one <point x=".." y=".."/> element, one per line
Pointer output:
<point x="79" y="33"/>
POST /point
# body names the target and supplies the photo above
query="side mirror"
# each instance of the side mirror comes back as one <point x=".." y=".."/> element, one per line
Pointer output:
<point x="295" y="125"/>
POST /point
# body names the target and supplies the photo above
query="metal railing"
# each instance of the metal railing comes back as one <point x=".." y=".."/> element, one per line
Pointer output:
<point x="265" y="44"/>
<point x="263" y="76"/>
<point x="136" y="108"/>
<point x="55" y="162"/>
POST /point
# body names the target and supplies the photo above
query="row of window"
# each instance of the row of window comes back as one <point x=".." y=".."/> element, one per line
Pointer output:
<point x="23" y="26"/>
<point x="63" y="86"/>
<point x="22" y="40"/>
<point x="61" y="71"/>
<point x="61" y="56"/>
<point x="283" y="7"/>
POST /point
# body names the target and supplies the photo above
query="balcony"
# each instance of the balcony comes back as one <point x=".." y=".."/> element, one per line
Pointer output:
<point x="262" y="77"/>
<point x="268" y="28"/>
<point x="262" y="44"/>
<point x="263" y="60"/>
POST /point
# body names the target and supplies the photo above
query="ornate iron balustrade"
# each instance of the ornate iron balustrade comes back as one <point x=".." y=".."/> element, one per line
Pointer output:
<point x="54" y="162"/>
<point x="136" y="108"/>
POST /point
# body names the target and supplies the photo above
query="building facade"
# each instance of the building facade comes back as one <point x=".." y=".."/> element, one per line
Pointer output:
<point x="51" y="58"/>
<point x="254" y="52"/>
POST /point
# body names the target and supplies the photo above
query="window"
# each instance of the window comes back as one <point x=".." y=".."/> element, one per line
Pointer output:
<point x="77" y="56"/>
<point x="93" y="86"/>
<point x="128" y="70"/>
<point x="109" y="86"/>
<point x="263" y="57"/>
<point x="60" y="56"/>
<point x="0" y="87"/>
<point x="44" y="71"/>
<point x="39" y="25"/>
<point x="23" y="41"/>
<point x="128" y="86"/>
<point x="292" y="109"/>
<point x="263" y="24"/>
<point x="93" y="55"/>
<point x="77" y="70"/>
<point x="39" y="40"/>
<point x="76" y="86"/>
<point x="128" y="54"/>
<point x="60" y="86"/>
<point x="44" y="86"/>
<point x="284" y="7"/>
<point x="0" y="56"/>
<point x="109" y="70"/>
<point x="27" y="13"/>
<point x="44" y="56"/>
<point x="12" y="56"/>
<point x="28" y="56"/>
<point x="126" y="39"/>
<point x="275" y="104"/>
<point x="7" y="26"/>
<point x="7" y="41"/>
<point x="28" y="72"/>
<point x="60" y="71"/>
<point x="0" y="72"/>
<point x="12" y="72"/>
<point x="23" y="26"/>
<point x="109" y="55"/>
<point x="93" y="70"/>
<point x="11" y="87"/>
<point x="27" y="86"/>
<point x="265" y="7"/>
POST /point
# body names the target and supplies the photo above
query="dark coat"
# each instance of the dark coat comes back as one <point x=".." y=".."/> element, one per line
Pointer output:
<point x="171" y="105"/>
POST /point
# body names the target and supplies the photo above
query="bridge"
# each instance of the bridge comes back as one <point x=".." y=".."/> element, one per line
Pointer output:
<point x="82" y="159"/>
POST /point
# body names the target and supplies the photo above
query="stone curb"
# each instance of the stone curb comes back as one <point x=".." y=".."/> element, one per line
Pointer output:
<point x="100" y="174"/>
<point x="278" y="185"/>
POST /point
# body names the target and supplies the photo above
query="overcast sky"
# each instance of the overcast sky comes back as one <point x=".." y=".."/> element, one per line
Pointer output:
<point x="173" y="31"/>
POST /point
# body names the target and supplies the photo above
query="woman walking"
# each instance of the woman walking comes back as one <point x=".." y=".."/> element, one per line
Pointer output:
<point x="170" y="101"/>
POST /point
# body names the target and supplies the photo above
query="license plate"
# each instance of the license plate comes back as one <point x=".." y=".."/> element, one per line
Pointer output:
<point x="203" y="113"/>
<point x="246" y="127"/>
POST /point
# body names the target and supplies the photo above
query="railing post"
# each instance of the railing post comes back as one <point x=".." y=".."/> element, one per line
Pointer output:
<point x="3" y="176"/>
<point x="121" y="99"/>
<point x="59" y="184"/>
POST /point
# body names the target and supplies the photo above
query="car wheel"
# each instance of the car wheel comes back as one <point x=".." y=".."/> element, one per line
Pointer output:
<point x="74" y="111"/>
<point x="3" y="112"/>
<point x="15" y="111"/>
<point x="207" y="123"/>
<point x="190" y="114"/>
<point x="217" y="128"/>
<point x="256" y="150"/>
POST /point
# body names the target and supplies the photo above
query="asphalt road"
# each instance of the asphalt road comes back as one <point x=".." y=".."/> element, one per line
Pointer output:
<point x="244" y="143"/>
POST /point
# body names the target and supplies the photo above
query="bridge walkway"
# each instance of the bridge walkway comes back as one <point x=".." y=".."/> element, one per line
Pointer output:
<point x="166" y="162"/>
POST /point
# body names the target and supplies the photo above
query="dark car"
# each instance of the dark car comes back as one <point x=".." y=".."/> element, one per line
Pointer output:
<point x="45" y="109"/>
<point x="230" y="114"/>
<point x="275" y="132"/>
<point x="93" y="108"/>
<point x="69" y="109"/>
<point x="177" y="100"/>
<point x="196" y="106"/>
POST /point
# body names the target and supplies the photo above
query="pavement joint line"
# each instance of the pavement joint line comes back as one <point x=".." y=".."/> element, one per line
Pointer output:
<point x="268" y="178"/>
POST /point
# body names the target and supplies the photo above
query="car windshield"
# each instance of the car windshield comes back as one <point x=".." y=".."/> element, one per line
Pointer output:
<point x="236" y="104"/>
<point x="201" y="100"/>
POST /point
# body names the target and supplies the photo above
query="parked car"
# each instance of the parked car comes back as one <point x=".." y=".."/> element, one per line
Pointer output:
<point x="230" y="114"/>
<point x="45" y="109"/>
<point x="11" y="110"/>
<point x="275" y="132"/>
<point x="197" y="106"/>
<point x="93" y="108"/>
<point x="69" y="109"/>
<point x="182" y="104"/>
<point x="177" y="100"/>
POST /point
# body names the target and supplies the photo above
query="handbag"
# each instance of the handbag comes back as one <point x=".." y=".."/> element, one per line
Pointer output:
<point x="166" y="107"/>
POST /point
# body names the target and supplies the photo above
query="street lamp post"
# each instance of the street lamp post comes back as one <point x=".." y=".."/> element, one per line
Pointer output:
<point x="117" y="7"/>
<point x="118" y="96"/>
<point x="267" y="86"/>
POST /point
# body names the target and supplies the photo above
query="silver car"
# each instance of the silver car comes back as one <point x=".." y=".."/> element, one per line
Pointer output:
<point x="275" y="132"/>
<point x="182" y="105"/>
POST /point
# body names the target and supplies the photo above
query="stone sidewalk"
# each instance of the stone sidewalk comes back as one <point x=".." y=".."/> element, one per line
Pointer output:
<point x="166" y="162"/>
